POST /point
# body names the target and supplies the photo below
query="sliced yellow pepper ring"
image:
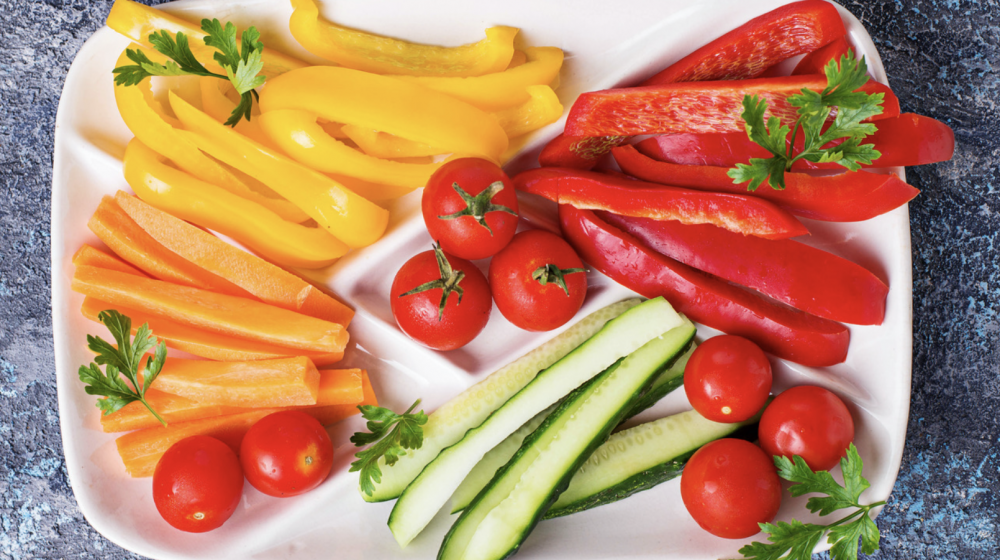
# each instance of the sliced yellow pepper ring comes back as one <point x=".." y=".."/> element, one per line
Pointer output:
<point x="383" y="55"/>
<point x="543" y="108"/>
<point x="299" y="135"/>
<point x="138" y="22"/>
<point x="209" y="206"/>
<point x="383" y="145"/>
<point x="216" y="101"/>
<point x="345" y="214"/>
<point x="503" y="89"/>
<point x="390" y="105"/>
<point x="151" y="124"/>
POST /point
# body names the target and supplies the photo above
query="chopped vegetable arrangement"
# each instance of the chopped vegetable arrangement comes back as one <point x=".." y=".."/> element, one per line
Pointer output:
<point x="301" y="163"/>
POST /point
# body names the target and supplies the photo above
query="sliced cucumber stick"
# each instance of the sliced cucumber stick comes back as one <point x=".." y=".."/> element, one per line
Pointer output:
<point x="621" y="336"/>
<point x="448" y="424"/>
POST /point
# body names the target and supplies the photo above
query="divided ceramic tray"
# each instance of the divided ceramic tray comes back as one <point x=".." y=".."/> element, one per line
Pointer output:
<point x="606" y="45"/>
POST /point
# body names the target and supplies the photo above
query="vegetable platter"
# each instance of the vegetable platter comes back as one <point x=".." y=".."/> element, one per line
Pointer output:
<point x="605" y="47"/>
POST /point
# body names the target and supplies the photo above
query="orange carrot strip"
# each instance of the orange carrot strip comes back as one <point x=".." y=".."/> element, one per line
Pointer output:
<point x="91" y="256"/>
<point x="259" y="384"/>
<point x="173" y="409"/>
<point x="119" y="232"/>
<point x="332" y="414"/>
<point x="234" y="316"/>
<point x="264" y="280"/>
<point x="341" y="386"/>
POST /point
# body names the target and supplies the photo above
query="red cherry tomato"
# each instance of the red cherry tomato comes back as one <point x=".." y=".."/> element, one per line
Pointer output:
<point x="286" y="454"/>
<point x="727" y="379"/>
<point x="538" y="281"/>
<point x="729" y="486"/>
<point x="470" y="208"/>
<point x="810" y="422"/>
<point x="421" y="312"/>
<point x="197" y="484"/>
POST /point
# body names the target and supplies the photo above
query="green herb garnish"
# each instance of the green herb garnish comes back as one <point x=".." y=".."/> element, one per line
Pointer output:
<point x="240" y="59"/>
<point x="405" y="433"/>
<point x="796" y="540"/>
<point x="124" y="360"/>
<point x="814" y="109"/>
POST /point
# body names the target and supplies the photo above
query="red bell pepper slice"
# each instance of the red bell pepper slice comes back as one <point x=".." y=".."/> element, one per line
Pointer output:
<point x="816" y="61"/>
<point x="577" y="152"/>
<point x="695" y="106"/>
<point x="781" y="330"/>
<point x="847" y="197"/>
<point x="804" y="277"/>
<point x="906" y="140"/>
<point x="755" y="46"/>
<point x="596" y="191"/>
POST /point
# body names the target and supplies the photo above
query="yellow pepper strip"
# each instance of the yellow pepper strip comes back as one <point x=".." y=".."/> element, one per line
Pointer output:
<point x="389" y="105"/>
<point x="375" y="192"/>
<point x="333" y="129"/>
<point x="208" y="206"/>
<point x="383" y="145"/>
<point x="346" y="215"/>
<point x="216" y="102"/>
<point x="299" y="135"/>
<point x="138" y="22"/>
<point x="503" y="89"/>
<point x="543" y="108"/>
<point x="518" y="59"/>
<point x="149" y="122"/>
<point x="384" y="55"/>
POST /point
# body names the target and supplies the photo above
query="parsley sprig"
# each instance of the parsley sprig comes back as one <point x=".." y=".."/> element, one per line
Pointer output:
<point x="241" y="61"/>
<point x="395" y="433"/>
<point x="852" y="107"/>
<point x="796" y="540"/>
<point x="124" y="360"/>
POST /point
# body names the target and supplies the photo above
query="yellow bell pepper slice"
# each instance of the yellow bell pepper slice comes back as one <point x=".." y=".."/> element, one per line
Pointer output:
<point x="345" y="214"/>
<point x="376" y="192"/>
<point x="299" y="135"/>
<point x="151" y="124"/>
<point x="383" y="145"/>
<point x="216" y="101"/>
<point x="138" y="22"/>
<point x="209" y="206"/>
<point x="384" y="55"/>
<point x="543" y="108"/>
<point x="518" y="59"/>
<point x="503" y="89"/>
<point x="389" y="105"/>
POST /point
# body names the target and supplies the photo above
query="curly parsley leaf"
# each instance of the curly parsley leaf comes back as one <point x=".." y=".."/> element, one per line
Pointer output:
<point x="122" y="361"/>
<point x="392" y="434"/>
<point x="796" y="540"/>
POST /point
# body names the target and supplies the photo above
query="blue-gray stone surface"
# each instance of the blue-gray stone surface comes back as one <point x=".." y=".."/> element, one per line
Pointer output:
<point x="939" y="55"/>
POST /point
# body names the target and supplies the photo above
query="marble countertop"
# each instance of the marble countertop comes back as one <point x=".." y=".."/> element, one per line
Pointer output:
<point x="939" y="55"/>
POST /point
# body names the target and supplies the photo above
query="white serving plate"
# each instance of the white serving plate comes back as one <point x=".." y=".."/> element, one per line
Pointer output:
<point x="605" y="46"/>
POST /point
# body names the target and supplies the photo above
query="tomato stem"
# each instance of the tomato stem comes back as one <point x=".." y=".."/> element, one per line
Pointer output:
<point x="552" y="273"/>
<point x="448" y="282"/>
<point x="477" y="206"/>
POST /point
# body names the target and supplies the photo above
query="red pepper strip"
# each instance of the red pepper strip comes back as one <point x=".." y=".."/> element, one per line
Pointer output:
<point x="596" y="191"/>
<point x="816" y="61"/>
<point x="577" y="152"/>
<point x="695" y="106"/>
<point x="906" y="140"/>
<point x="847" y="197"/>
<point x="781" y="330"/>
<point x="804" y="277"/>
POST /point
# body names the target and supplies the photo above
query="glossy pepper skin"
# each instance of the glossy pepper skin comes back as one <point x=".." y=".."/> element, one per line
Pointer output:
<point x="589" y="190"/>
<point x="804" y="277"/>
<point x="906" y="140"/>
<point x="847" y="197"/>
<point x="781" y="330"/>
<point x="816" y="61"/>
<point x="696" y="106"/>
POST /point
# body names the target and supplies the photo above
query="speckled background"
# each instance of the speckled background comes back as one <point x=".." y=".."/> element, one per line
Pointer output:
<point x="940" y="56"/>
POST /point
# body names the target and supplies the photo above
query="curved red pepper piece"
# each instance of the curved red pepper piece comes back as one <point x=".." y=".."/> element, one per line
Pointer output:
<point x="816" y="61"/>
<point x="781" y="330"/>
<point x="596" y="191"/>
<point x="847" y="197"/>
<point x="906" y="140"/>
<point x="696" y="106"/>
<point x="577" y="152"/>
<point x="804" y="277"/>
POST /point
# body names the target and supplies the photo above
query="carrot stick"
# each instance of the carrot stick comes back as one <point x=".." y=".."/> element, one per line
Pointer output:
<point x="264" y="280"/>
<point x="91" y="256"/>
<point x="332" y="414"/>
<point x="259" y="384"/>
<point x="172" y="408"/>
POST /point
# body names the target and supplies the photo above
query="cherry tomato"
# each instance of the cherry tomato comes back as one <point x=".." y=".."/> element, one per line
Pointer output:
<point x="729" y="486"/>
<point x="197" y="484"/>
<point x="428" y="306"/>
<point x="810" y="422"/>
<point x="727" y="379"/>
<point x="470" y="208"/>
<point x="286" y="454"/>
<point x="538" y="281"/>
